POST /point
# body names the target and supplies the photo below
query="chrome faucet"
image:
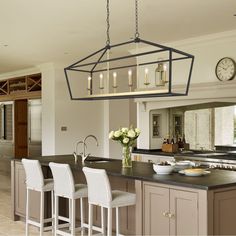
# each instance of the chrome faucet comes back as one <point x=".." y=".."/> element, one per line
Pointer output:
<point x="75" y="153"/>
<point x="84" y="155"/>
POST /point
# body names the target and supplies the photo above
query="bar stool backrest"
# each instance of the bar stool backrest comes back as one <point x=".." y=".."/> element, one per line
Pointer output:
<point x="64" y="185"/>
<point x="34" y="174"/>
<point x="99" y="189"/>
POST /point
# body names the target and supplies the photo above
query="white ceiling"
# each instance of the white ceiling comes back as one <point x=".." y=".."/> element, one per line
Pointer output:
<point x="39" y="31"/>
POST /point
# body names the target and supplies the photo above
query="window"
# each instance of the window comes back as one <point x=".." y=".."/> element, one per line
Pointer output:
<point x="6" y="122"/>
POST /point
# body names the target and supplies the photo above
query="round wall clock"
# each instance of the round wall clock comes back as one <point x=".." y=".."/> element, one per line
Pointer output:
<point x="225" y="69"/>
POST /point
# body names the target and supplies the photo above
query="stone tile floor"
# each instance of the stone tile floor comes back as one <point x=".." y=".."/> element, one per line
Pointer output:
<point x="7" y="226"/>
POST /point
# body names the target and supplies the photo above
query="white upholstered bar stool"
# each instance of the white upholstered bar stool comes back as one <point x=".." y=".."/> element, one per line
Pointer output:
<point x="36" y="182"/>
<point x="65" y="187"/>
<point x="105" y="197"/>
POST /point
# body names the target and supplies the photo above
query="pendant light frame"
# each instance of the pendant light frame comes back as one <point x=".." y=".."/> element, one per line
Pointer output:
<point x="81" y="66"/>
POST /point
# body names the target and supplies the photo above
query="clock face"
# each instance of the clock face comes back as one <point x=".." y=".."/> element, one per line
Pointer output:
<point x="226" y="69"/>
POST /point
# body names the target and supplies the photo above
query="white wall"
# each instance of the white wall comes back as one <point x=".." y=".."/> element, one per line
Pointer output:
<point x="80" y="117"/>
<point x="122" y="113"/>
<point x="48" y="109"/>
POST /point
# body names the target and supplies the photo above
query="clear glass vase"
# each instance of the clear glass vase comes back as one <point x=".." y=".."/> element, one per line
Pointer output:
<point x="126" y="157"/>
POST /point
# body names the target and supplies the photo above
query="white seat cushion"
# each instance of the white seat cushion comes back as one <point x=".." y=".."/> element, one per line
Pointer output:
<point x="48" y="185"/>
<point x="121" y="199"/>
<point x="81" y="191"/>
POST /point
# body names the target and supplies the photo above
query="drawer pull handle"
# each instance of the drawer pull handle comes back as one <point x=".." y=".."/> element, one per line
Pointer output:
<point x="166" y="214"/>
<point x="170" y="215"/>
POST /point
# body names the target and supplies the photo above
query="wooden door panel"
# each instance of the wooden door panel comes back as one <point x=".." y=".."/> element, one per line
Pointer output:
<point x="21" y="128"/>
<point x="184" y="208"/>
<point x="156" y="202"/>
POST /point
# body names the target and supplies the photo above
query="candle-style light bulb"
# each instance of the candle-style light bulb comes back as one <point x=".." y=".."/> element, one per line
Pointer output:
<point x="89" y="88"/>
<point x="101" y="82"/>
<point x="89" y="82"/>
<point x="114" y="80"/>
<point x="146" y="81"/>
<point x="130" y="78"/>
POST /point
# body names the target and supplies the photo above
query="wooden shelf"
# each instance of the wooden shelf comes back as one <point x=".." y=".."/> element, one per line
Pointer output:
<point x="33" y="83"/>
<point x="4" y="87"/>
<point x="21" y="87"/>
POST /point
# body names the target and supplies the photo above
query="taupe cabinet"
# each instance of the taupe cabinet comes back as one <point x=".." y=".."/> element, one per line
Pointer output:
<point x="172" y="210"/>
<point x="169" y="211"/>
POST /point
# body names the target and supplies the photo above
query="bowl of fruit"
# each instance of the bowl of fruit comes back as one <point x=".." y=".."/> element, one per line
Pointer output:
<point x="163" y="168"/>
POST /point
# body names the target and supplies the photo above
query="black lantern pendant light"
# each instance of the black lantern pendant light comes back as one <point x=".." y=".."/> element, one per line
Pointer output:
<point x="134" y="69"/>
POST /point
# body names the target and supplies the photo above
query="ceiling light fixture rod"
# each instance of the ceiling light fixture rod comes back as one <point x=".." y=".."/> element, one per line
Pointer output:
<point x="103" y="97"/>
<point x="108" y="23"/>
<point x="189" y="76"/>
<point x="170" y="70"/>
<point x="68" y="83"/>
<point x="136" y="35"/>
<point x="99" y="59"/>
<point x="86" y="58"/>
<point x="119" y="58"/>
<point x="130" y="66"/>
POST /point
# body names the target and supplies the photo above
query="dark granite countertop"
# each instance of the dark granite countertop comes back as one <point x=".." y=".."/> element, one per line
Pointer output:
<point x="227" y="145"/>
<point x="152" y="152"/>
<point x="144" y="171"/>
<point x="219" y="155"/>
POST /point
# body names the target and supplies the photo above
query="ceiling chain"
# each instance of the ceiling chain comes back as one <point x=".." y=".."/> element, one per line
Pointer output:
<point x="108" y="23"/>
<point x="136" y="19"/>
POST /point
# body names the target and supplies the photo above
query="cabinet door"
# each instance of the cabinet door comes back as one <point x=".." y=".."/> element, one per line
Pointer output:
<point x="156" y="203"/>
<point x="184" y="210"/>
<point x="225" y="213"/>
<point x="20" y="194"/>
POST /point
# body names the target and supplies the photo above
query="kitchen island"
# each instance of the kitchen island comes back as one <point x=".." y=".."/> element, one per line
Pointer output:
<point x="166" y="205"/>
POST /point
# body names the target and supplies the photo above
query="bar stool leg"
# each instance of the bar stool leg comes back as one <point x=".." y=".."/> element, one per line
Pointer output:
<point x="81" y="213"/>
<point x="109" y="221"/>
<point x="27" y="213"/>
<point x="56" y="215"/>
<point x="117" y="221"/>
<point x="52" y="211"/>
<point x="72" y="216"/>
<point x="90" y="230"/>
<point x="102" y="220"/>
<point x="41" y="212"/>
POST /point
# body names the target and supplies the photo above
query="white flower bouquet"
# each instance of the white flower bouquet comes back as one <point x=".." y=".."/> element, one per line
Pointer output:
<point x="126" y="137"/>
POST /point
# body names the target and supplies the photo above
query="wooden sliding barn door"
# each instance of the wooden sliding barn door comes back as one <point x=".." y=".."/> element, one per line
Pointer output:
<point x="21" y="128"/>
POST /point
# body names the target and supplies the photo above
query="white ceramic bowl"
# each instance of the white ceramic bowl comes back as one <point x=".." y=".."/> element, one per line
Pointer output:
<point x="181" y="165"/>
<point x="163" y="170"/>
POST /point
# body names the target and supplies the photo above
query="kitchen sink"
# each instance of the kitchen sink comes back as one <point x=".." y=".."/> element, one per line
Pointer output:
<point x="97" y="160"/>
